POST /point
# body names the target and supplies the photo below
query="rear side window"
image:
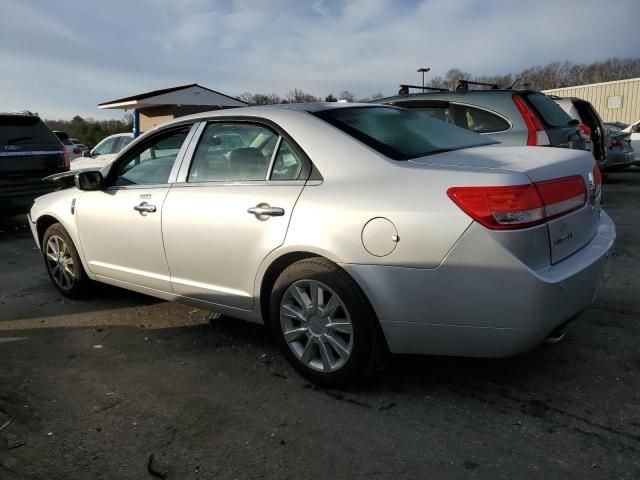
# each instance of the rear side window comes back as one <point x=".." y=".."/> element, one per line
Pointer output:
<point x="287" y="164"/>
<point x="401" y="134"/>
<point x="440" y="113"/>
<point x="25" y="130"/>
<point x="478" y="120"/>
<point x="232" y="152"/>
<point x="549" y="110"/>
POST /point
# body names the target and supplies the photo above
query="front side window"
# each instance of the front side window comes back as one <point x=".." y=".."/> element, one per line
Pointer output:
<point x="478" y="120"/>
<point x="401" y="134"/>
<point x="152" y="163"/>
<point x="232" y="152"/>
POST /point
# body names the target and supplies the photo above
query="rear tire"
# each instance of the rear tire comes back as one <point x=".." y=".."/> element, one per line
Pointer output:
<point x="63" y="263"/>
<point x="324" y="324"/>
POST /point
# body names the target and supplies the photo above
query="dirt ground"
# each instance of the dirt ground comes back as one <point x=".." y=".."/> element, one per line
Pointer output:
<point x="124" y="386"/>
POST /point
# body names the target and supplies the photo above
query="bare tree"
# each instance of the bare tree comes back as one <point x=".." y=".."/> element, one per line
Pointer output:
<point x="347" y="95"/>
<point x="298" y="96"/>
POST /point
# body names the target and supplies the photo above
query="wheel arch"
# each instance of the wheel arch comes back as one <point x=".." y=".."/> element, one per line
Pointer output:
<point x="42" y="223"/>
<point x="279" y="264"/>
<point x="275" y="268"/>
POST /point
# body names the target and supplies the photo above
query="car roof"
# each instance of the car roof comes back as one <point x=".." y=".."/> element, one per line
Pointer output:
<point x="454" y="93"/>
<point x="268" y="111"/>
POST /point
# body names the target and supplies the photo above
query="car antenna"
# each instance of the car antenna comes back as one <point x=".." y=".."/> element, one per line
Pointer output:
<point x="516" y="82"/>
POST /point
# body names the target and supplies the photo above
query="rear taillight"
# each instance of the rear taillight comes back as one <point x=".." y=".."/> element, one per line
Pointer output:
<point x="520" y="206"/>
<point x="597" y="179"/>
<point x="586" y="130"/>
<point x="616" y="143"/>
<point x="537" y="133"/>
<point x="66" y="162"/>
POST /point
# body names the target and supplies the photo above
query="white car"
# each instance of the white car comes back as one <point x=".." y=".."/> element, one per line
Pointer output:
<point x="102" y="153"/>
<point x="634" y="130"/>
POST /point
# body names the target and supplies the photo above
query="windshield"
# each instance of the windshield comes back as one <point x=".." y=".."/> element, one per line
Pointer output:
<point x="401" y="134"/>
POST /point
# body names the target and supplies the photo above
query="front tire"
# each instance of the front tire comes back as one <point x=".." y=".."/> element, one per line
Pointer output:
<point x="63" y="262"/>
<point x="324" y="324"/>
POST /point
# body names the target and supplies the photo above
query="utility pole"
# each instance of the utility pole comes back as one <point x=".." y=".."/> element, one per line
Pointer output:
<point x="423" y="70"/>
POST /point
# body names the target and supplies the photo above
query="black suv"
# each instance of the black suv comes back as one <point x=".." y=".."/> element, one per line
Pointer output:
<point x="513" y="117"/>
<point x="29" y="151"/>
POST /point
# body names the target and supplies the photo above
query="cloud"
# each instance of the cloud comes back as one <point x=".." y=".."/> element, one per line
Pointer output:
<point x="70" y="55"/>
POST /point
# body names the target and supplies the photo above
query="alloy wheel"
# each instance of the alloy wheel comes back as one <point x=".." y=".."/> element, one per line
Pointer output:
<point x="316" y="325"/>
<point x="60" y="262"/>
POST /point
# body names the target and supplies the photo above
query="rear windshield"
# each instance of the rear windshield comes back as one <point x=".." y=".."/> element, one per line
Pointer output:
<point x="64" y="138"/>
<point x="550" y="111"/>
<point x="401" y="134"/>
<point x="25" y="130"/>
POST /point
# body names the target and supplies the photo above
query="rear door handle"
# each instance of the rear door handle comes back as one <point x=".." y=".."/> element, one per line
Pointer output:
<point x="145" y="207"/>
<point x="264" y="210"/>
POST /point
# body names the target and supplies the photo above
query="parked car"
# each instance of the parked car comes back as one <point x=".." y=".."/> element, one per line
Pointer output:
<point x="634" y="131"/>
<point x="619" y="150"/>
<point x="78" y="146"/>
<point x="346" y="228"/>
<point x="618" y="125"/>
<point x="610" y="155"/>
<point x="69" y="147"/>
<point x="29" y="151"/>
<point x="513" y="117"/>
<point x="102" y="153"/>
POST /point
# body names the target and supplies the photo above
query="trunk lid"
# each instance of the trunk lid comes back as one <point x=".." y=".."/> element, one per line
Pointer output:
<point x="567" y="233"/>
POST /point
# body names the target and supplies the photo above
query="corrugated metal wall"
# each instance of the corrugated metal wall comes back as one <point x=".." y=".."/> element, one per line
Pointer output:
<point x="599" y="94"/>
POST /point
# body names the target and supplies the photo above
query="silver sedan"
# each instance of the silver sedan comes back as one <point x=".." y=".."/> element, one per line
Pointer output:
<point x="349" y="230"/>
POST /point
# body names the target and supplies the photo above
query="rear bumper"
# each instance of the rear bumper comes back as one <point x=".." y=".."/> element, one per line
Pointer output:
<point x="618" y="161"/>
<point x="482" y="301"/>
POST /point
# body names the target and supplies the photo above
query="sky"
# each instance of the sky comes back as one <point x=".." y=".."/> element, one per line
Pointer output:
<point x="62" y="58"/>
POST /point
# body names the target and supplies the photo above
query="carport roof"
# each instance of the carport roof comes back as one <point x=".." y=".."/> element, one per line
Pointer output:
<point x="192" y="94"/>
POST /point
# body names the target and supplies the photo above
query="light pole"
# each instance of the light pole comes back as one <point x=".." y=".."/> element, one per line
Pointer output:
<point x="423" y="70"/>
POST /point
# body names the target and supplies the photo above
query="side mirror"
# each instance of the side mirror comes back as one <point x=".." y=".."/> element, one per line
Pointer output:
<point x="89" y="180"/>
<point x="636" y="128"/>
<point x="86" y="154"/>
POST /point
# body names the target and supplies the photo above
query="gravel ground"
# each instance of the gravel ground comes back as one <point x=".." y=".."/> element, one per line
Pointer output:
<point x="124" y="386"/>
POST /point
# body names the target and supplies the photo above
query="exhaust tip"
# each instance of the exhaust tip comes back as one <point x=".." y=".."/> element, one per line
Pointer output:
<point x="557" y="334"/>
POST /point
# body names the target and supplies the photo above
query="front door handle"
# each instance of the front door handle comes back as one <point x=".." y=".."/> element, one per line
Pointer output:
<point x="263" y="211"/>
<point x="145" y="207"/>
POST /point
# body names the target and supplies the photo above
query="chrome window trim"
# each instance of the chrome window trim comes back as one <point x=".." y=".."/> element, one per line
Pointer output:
<point x="273" y="157"/>
<point x="181" y="154"/>
<point x="150" y="186"/>
<point x="247" y="183"/>
<point x="185" y="163"/>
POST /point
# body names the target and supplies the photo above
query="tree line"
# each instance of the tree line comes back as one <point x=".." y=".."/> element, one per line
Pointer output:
<point x="549" y="76"/>
<point x="89" y="130"/>
<point x="538" y="77"/>
<point x="299" y="96"/>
